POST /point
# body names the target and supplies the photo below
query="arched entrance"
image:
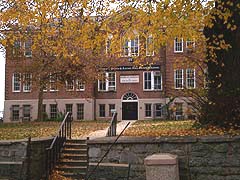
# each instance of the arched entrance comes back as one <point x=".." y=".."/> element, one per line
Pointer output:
<point x="130" y="106"/>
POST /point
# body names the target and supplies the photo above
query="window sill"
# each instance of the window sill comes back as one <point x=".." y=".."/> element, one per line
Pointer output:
<point x="16" y="91"/>
<point x="53" y="90"/>
<point x="157" y="90"/>
<point x="178" y="52"/>
<point x="80" y="90"/>
<point x="26" y="91"/>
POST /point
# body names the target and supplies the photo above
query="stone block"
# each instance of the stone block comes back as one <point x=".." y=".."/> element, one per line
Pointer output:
<point x="162" y="167"/>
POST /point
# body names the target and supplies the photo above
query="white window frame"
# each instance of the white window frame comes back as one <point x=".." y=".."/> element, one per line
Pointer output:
<point x="102" y="111"/>
<point x="175" y="79"/>
<point x="68" y="85"/>
<point x="50" y="84"/>
<point x="147" y="50"/>
<point x="155" y="110"/>
<point x="145" y="110"/>
<point x="30" y="55"/>
<point x="27" y="87"/>
<point x="177" y="45"/>
<point x="17" y="49"/>
<point x="189" y="78"/>
<point x="80" y="86"/>
<point x="190" y="42"/>
<point x="129" y="47"/>
<point x="152" y="81"/>
<point x="13" y="82"/>
<point x="107" y="86"/>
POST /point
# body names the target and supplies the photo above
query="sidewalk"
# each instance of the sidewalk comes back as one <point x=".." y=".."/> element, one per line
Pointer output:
<point x="102" y="133"/>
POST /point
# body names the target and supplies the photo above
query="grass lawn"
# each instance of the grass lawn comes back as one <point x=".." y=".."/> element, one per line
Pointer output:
<point x="45" y="129"/>
<point x="156" y="128"/>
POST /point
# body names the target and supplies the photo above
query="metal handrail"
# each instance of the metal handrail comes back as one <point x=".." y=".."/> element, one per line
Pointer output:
<point x="54" y="150"/>
<point x="110" y="147"/>
<point x="112" y="130"/>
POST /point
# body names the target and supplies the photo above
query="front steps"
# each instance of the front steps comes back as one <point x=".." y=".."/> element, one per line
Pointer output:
<point x="74" y="159"/>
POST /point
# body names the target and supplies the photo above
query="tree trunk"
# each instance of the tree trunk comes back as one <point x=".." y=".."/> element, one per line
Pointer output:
<point x="40" y="105"/>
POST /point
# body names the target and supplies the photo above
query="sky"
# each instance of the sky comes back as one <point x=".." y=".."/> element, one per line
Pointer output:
<point x="2" y="81"/>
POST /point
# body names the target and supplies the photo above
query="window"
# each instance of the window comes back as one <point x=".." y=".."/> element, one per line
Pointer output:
<point x="80" y="86"/>
<point x="53" y="82"/>
<point x="152" y="80"/>
<point x="149" y="46"/>
<point x="102" y="110"/>
<point x="16" y="80"/>
<point x="130" y="47"/>
<point x="148" y="110"/>
<point x="108" y="82"/>
<point x="80" y="111"/>
<point x="53" y="111"/>
<point x="70" y="85"/>
<point x="178" y="78"/>
<point x="190" y="79"/>
<point x="69" y="108"/>
<point x="179" y="110"/>
<point x="17" y="48"/>
<point x="190" y="44"/>
<point x="27" y="82"/>
<point x="26" y="112"/>
<point x="15" y="112"/>
<point x="111" y="109"/>
<point x="28" y="48"/>
<point x="158" y="110"/>
<point x="178" y="45"/>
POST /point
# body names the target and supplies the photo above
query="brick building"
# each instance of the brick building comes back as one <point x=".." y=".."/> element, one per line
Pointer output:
<point x="135" y="92"/>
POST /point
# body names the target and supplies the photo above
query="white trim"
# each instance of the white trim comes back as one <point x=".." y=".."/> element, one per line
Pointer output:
<point x="175" y="79"/>
<point x="152" y="81"/>
<point x="66" y="84"/>
<point x="107" y="83"/>
<point x="175" y="45"/>
<point x="13" y="82"/>
<point x="153" y="52"/>
<point x="134" y="100"/>
<point x="129" y="46"/>
<point x="30" y="83"/>
<point x="194" y="78"/>
<point x="25" y="49"/>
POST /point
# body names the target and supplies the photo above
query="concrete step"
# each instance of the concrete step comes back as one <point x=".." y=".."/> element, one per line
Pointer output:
<point x="74" y="156"/>
<point x="79" y="141"/>
<point x="75" y="146"/>
<point x="72" y="169"/>
<point x="74" y="151"/>
<point x="78" y="176"/>
<point x="72" y="162"/>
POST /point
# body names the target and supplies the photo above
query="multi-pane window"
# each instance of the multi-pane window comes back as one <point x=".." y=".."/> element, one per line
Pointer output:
<point x="158" y="110"/>
<point x="80" y="111"/>
<point x="80" y="86"/>
<point x="190" y="78"/>
<point x="178" y="45"/>
<point x="130" y="47"/>
<point x="15" y="113"/>
<point x="70" y="85"/>
<point x="26" y="112"/>
<point x="69" y="108"/>
<point x="148" y="110"/>
<point x="27" y="82"/>
<point x="53" y="83"/>
<point x="179" y="109"/>
<point x="111" y="109"/>
<point x="16" y="82"/>
<point x="190" y="44"/>
<point x="53" y="111"/>
<point x="149" y="46"/>
<point x="107" y="82"/>
<point x="28" y="48"/>
<point x="178" y="78"/>
<point x="152" y="80"/>
<point x="102" y="112"/>
<point x="17" y="48"/>
<point x="108" y="44"/>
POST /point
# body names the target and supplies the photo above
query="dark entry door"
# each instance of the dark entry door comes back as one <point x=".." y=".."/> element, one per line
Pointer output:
<point x="129" y="110"/>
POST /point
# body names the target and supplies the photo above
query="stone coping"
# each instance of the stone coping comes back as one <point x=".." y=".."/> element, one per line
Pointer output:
<point x="161" y="159"/>
<point x="156" y="140"/>
<point x="6" y="142"/>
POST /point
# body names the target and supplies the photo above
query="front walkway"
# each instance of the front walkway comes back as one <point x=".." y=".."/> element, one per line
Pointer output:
<point x="102" y="133"/>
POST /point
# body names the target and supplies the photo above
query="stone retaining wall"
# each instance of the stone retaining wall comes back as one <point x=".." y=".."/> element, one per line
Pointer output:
<point x="202" y="158"/>
<point x="13" y="152"/>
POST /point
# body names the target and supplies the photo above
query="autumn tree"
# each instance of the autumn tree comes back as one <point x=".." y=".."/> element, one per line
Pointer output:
<point x="54" y="41"/>
<point x="223" y="61"/>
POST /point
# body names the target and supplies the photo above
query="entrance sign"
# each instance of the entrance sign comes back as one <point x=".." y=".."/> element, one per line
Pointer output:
<point x="129" y="79"/>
